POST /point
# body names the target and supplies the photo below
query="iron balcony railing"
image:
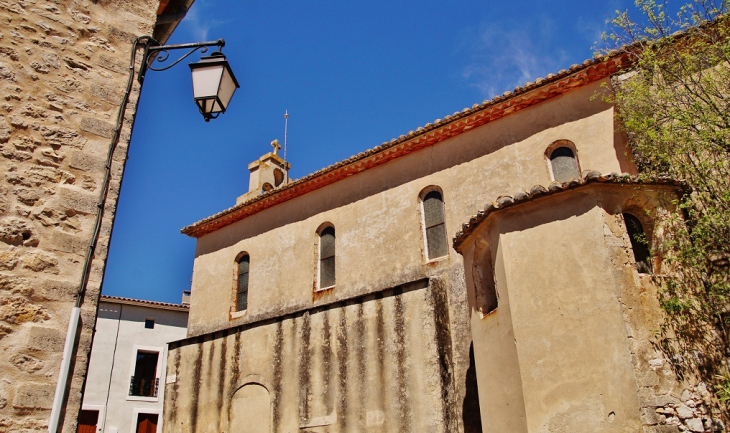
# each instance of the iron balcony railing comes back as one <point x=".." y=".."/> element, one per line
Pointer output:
<point x="144" y="386"/>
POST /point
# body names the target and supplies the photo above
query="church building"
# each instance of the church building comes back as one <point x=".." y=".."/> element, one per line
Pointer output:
<point x="485" y="272"/>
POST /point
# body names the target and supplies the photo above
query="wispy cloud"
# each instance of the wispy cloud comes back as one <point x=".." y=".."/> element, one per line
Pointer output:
<point x="502" y="56"/>
<point x="199" y="21"/>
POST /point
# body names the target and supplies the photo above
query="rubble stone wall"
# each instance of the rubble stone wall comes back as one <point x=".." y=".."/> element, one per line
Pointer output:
<point x="63" y="69"/>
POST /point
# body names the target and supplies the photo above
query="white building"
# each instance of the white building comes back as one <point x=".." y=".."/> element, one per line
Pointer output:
<point x="123" y="393"/>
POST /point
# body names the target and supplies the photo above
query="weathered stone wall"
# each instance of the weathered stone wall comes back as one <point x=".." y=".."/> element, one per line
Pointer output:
<point x="63" y="68"/>
<point x="668" y="403"/>
<point x="377" y="363"/>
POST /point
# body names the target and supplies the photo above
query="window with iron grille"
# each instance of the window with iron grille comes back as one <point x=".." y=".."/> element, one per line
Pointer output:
<point x="327" y="258"/>
<point x="434" y="221"/>
<point x="639" y="243"/>
<point x="242" y="283"/>
<point x="144" y="383"/>
<point x="564" y="164"/>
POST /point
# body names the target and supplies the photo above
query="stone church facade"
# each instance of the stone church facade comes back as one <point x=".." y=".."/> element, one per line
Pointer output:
<point x="338" y="302"/>
<point x="64" y="65"/>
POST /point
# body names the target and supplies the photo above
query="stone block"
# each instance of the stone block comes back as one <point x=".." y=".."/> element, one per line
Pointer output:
<point x="68" y="243"/>
<point x="57" y="136"/>
<point x="33" y="396"/>
<point x="96" y="126"/>
<point x="16" y="310"/>
<point x="9" y="259"/>
<point x="121" y="35"/>
<point x="662" y="429"/>
<point x="26" y="363"/>
<point x="40" y="262"/>
<point x="14" y="231"/>
<point x="4" y="332"/>
<point x="695" y="425"/>
<point x="15" y="285"/>
<point x="649" y="416"/>
<point x="4" y="128"/>
<point x="44" y="339"/>
<point x="87" y="162"/>
<point x="660" y="400"/>
<point x="106" y="93"/>
<point x="110" y="63"/>
<point x="79" y="201"/>
<point x="55" y="290"/>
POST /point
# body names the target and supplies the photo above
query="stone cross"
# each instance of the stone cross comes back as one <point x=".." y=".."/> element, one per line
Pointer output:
<point x="275" y="144"/>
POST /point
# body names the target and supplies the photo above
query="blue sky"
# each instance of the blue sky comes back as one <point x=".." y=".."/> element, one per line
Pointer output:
<point x="352" y="75"/>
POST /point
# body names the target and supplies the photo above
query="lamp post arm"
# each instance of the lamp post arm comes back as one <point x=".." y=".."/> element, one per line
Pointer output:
<point x="160" y="53"/>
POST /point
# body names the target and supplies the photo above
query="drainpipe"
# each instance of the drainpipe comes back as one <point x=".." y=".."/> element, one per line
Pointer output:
<point x="73" y="326"/>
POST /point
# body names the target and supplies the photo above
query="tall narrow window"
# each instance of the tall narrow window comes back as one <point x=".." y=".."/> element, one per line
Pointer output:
<point x="144" y="382"/>
<point x="242" y="283"/>
<point x="564" y="164"/>
<point x="639" y="244"/>
<point x="433" y="216"/>
<point x="327" y="257"/>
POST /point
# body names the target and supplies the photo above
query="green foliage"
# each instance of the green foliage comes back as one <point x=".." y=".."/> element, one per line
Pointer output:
<point x="674" y="106"/>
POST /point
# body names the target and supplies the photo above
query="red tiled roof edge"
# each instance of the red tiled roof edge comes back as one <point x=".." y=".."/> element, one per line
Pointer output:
<point x="537" y="191"/>
<point x="432" y="133"/>
<point x="141" y="301"/>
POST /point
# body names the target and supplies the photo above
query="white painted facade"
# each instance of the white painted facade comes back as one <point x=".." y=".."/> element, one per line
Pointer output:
<point x="122" y="332"/>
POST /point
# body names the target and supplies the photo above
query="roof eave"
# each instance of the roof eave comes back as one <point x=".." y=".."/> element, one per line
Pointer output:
<point x="428" y="135"/>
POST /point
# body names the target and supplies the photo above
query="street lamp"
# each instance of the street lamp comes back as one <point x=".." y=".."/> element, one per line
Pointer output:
<point x="213" y="87"/>
<point x="213" y="80"/>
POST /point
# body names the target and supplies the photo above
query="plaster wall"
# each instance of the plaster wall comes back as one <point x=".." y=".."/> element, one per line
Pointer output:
<point x="377" y="214"/>
<point x="372" y="363"/>
<point x="63" y="68"/>
<point x="378" y="221"/>
<point x="120" y="333"/>
<point x="574" y="354"/>
<point x="574" y="316"/>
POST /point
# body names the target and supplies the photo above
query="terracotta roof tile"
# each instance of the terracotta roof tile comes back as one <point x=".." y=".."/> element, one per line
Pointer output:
<point x="537" y="191"/>
<point x="108" y="298"/>
<point x="431" y="133"/>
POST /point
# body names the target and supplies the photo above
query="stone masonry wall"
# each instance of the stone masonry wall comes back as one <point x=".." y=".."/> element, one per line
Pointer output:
<point x="668" y="404"/>
<point x="63" y="68"/>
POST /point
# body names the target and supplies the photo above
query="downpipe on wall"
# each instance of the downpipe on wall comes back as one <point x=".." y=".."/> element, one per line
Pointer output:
<point x="73" y="326"/>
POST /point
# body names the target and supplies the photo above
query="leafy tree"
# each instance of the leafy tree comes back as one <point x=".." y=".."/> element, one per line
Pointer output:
<point x="674" y="105"/>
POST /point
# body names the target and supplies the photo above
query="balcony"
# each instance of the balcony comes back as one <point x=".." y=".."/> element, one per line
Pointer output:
<point x="143" y="386"/>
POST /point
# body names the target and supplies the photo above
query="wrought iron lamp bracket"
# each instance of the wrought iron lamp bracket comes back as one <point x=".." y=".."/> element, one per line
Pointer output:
<point x="160" y="53"/>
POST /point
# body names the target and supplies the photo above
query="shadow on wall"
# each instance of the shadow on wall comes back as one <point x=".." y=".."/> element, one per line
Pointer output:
<point x="463" y="148"/>
<point x="471" y="415"/>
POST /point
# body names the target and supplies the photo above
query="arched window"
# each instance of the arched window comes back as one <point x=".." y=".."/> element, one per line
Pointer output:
<point x="639" y="243"/>
<point x="564" y="164"/>
<point x="434" y="223"/>
<point x="242" y="283"/>
<point x="327" y="257"/>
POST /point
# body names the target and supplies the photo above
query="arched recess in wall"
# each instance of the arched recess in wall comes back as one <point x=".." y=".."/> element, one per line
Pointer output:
<point x="640" y="239"/>
<point x="278" y="177"/>
<point x="486" y="298"/>
<point x="562" y="161"/>
<point x="325" y="276"/>
<point x="240" y="279"/>
<point x="433" y="221"/>
<point x="250" y="410"/>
